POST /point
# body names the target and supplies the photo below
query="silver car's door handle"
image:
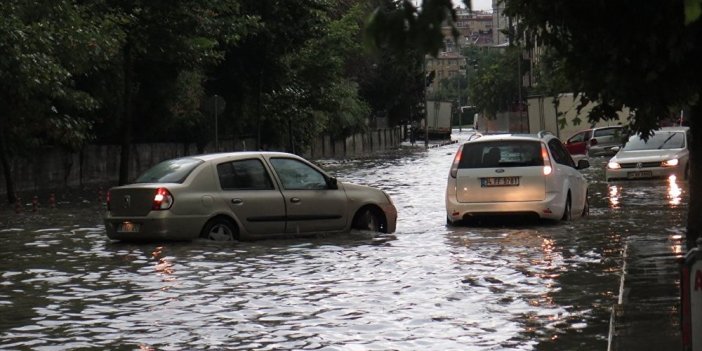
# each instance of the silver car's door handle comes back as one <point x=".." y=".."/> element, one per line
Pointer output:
<point x="237" y="201"/>
<point x="295" y="200"/>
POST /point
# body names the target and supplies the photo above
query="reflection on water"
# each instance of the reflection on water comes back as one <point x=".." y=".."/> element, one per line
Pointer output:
<point x="614" y="196"/>
<point x="654" y="192"/>
<point x="674" y="191"/>
<point x="531" y="286"/>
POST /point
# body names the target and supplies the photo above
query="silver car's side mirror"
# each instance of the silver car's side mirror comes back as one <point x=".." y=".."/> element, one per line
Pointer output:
<point x="332" y="183"/>
<point x="616" y="148"/>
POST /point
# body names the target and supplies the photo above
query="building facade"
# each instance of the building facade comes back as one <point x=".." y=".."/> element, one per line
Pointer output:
<point x="447" y="65"/>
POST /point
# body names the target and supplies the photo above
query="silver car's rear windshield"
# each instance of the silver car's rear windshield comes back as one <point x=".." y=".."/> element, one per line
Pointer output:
<point x="501" y="153"/>
<point x="659" y="141"/>
<point x="171" y="171"/>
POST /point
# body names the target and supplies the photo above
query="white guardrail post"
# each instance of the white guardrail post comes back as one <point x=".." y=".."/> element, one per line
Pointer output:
<point x="691" y="288"/>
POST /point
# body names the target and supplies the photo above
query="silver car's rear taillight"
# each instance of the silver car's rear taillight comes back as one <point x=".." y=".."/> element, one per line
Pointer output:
<point x="163" y="199"/>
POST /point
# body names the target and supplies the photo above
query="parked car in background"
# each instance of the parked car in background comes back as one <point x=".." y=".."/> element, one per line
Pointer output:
<point x="531" y="175"/>
<point x="666" y="153"/>
<point x="599" y="141"/>
<point x="242" y="195"/>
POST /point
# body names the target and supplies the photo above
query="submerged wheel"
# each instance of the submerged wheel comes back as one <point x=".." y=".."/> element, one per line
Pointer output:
<point x="220" y="229"/>
<point x="368" y="219"/>
<point x="567" y="210"/>
<point x="586" y="207"/>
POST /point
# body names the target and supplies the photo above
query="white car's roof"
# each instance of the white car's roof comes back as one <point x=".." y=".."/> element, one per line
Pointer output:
<point x="673" y="129"/>
<point x="221" y="155"/>
<point x="493" y="137"/>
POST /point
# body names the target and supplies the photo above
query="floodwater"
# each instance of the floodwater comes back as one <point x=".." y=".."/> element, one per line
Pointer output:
<point x="518" y="286"/>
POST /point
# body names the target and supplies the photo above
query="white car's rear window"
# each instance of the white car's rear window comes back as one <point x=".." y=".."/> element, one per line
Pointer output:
<point x="501" y="153"/>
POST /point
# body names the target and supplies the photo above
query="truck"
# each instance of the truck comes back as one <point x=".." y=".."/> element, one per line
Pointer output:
<point x="439" y="119"/>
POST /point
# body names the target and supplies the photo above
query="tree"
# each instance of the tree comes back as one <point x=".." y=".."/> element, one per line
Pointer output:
<point x="254" y="69"/>
<point x="495" y="85"/>
<point x="648" y="62"/>
<point x="163" y="39"/>
<point x="43" y="57"/>
<point x="328" y="99"/>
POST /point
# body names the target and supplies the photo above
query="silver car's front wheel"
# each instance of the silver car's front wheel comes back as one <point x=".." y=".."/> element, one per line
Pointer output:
<point x="368" y="219"/>
<point x="220" y="229"/>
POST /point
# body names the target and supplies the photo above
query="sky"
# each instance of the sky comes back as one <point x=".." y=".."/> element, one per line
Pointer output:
<point x="477" y="4"/>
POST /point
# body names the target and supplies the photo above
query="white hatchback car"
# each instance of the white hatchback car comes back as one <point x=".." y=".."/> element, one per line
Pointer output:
<point x="525" y="175"/>
<point x="666" y="153"/>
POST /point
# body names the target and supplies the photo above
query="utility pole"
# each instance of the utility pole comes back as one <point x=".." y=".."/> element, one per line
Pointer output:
<point x="458" y="82"/>
<point x="426" y="108"/>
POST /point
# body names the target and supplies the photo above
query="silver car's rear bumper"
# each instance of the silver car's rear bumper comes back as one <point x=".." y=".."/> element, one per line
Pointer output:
<point x="155" y="227"/>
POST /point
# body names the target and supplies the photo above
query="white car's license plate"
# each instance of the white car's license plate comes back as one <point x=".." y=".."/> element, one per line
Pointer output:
<point x="639" y="174"/>
<point x="128" y="227"/>
<point x="499" y="181"/>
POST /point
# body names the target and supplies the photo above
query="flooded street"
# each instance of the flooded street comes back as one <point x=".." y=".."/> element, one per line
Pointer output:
<point x="522" y="286"/>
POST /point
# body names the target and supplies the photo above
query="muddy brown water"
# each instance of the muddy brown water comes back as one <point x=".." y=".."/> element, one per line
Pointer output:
<point x="507" y="286"/>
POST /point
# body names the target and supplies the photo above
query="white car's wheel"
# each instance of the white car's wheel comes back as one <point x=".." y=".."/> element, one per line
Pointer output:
<point x="586" y="207"/>
<point x="567" y="210"/>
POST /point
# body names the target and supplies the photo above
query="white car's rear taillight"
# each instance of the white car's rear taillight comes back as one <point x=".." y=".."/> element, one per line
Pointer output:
<point x="163" y="199"/>
<point x="456" y="161"/>
<point x="547" y="160"/>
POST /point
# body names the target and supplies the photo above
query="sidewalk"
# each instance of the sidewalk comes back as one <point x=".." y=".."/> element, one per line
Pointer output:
<point x="647" y="316"/>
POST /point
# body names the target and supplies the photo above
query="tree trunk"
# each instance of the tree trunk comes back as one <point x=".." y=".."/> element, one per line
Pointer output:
<point x="5" y="162"/>
<point x="258" y="109"/>
<point x="694" y="220"/>
<point x="127" y="118"/>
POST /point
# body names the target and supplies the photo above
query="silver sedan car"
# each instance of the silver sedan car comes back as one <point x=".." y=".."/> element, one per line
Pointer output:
<point x="666" y="153"/>
<point x="242" y="195"/>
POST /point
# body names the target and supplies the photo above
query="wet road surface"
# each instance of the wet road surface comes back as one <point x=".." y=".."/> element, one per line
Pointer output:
<point x="517" y="286"/>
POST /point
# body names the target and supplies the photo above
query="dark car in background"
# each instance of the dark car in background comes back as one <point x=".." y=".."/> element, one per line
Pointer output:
<point x="600" y="141"/>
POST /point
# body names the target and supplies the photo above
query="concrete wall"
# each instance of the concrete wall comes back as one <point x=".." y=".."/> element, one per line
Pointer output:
<point x="504" y="122"/>
<point x="544" y="116"/>
<point x="54" y="168"/>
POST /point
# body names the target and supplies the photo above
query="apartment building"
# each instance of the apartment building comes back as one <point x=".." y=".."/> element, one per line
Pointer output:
<point x="445" y="66"/>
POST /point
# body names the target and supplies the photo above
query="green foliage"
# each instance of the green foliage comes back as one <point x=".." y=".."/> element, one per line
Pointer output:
<point x="647" y="61"/>
<point x="73" y="71"/>
<point x="189" y="122"/>
<point x="495" y="85"/>
<point x="550" y="76"/>
<point x="47" y="46"/>
<point x="693" y="10"/>
<point x="408" y="26"/>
